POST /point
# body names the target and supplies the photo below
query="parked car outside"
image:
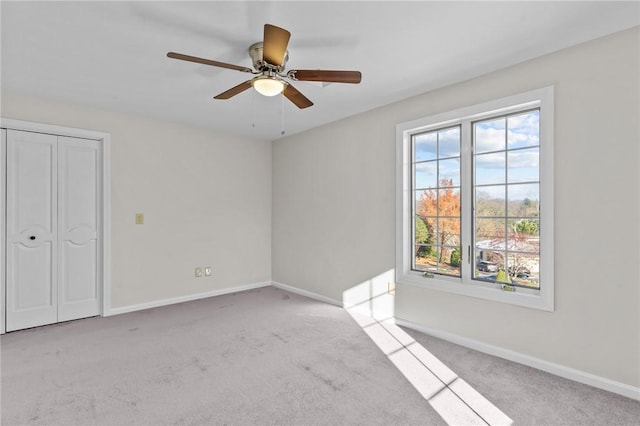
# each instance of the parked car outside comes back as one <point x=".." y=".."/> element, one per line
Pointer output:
<point x="486" y="266"/>
<point x="519" y="272"/>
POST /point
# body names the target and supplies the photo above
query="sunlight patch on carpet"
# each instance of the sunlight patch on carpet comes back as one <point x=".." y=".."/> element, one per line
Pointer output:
<point x="370" y="304"/>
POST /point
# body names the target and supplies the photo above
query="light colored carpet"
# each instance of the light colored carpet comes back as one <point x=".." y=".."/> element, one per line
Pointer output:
<point x="530" y="396"/>
<point x="262" y="357"/>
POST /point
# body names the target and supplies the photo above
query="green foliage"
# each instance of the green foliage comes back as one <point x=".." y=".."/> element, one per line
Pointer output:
<point x="426" y="251"/>
<point x="455" y="258"/>
<point x="424" y="235"/>
<point x="527" y="227"/>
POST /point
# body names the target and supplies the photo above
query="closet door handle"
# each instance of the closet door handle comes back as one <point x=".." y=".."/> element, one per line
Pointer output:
<point x="33" y="237"/>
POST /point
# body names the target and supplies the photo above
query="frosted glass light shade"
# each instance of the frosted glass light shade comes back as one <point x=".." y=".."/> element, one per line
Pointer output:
<point x="268" y="86"/>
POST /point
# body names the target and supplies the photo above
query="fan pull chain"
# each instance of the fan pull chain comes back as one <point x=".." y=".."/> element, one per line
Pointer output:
<point x="282" y="132"/>
<point x="253" y="109"/>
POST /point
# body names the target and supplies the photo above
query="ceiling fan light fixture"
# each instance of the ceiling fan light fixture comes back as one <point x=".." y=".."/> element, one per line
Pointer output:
<point x="269" y="78"/>
<point x="268" y="86"/>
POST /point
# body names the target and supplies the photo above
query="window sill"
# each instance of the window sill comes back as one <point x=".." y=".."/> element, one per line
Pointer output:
<point x="528" y="298"/>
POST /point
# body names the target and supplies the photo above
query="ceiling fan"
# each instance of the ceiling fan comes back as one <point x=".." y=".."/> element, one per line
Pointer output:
<point x="269" y="58"/>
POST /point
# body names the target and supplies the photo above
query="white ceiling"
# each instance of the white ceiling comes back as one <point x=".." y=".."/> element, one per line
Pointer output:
<point x="112" y="55"/>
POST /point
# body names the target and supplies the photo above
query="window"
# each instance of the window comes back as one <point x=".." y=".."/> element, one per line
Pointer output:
<point x="436" y="186"/>
<point x="475" y="201"/>
<point x="506" y="199"/>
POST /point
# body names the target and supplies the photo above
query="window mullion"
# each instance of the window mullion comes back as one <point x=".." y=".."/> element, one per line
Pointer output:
<point x="466" y="201"/>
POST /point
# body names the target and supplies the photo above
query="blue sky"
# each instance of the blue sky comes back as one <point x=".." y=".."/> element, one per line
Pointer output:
<point x="516" y="140"/>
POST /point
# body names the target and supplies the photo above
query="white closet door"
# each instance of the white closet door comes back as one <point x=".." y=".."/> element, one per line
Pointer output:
<point x="78" y="206"/>
<point x="32" y="297"/>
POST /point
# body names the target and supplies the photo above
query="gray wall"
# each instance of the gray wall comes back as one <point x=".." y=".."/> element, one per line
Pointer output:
<point x="206" y="198"/>
<point x="334" y="211"/>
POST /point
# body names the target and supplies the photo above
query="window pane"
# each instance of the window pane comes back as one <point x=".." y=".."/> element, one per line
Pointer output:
<point x="523" y="200"/>
<point x="426" y="202"/>
<point x="432" y="228"/>
<point x="449" y="263"/>
<point x="418" y="196"/>
<point x="506" y="224"/>
<point x="449" y="142"/>
<point x="525" y="230"/>
<point x="446" y="228"/>
<point x="426" y="175"/>
<point x="523" y="165"/>
<point x="523" y="243"/>
<point x="524" y="129"/>
<point x="490" y="168"/>
<point x="450" y="270"/>
<point x="436" y="183"/>
<point x="490" y="201"/>
<point x="490" y="135"/>
<point x="490" y="233"/>
<point x="419" y="231"/>
<point x="449" y="172"/>
<point x="488" y="264"/>
<point x="524" y="269"/>
<point x="437" y="245"/>
<point x="425" y="146"/>
<point x="449" y="202"/>
<point x="424" y="230"/>
<point x="425" y="258"/>
<point x="495" y="246"/>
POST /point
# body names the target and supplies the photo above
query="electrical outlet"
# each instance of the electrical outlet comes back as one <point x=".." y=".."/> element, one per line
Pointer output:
<point x="198" y="272"/>
<point x="139" y="218"/>
<point x="208" y="271"/>
<point x="391" y="289"/>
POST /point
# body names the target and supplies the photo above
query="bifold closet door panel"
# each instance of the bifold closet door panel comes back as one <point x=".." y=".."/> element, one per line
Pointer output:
<point x="78" y="224"/>
<point x="31" y="215"/>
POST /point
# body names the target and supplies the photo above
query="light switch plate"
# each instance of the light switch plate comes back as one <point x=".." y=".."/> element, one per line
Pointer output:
<point x="198" y="272"/>
<point x="208" y="271"/>
<point x="139" y="218"/>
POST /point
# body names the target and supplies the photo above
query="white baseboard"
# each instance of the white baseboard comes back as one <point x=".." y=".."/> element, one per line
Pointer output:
<point x="180" y="299"/>
<point x="306" y="293"/>
<point x="550" y="367"/>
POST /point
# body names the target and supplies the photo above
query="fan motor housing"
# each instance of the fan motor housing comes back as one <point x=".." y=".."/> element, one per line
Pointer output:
<point x="255" y="52"/>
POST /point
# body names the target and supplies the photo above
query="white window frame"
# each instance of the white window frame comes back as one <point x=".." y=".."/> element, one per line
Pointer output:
<point x="542" y="298"/>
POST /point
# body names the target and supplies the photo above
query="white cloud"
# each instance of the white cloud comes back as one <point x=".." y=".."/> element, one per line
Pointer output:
<point x="524" y="129"/>
<point x="490" y="161"/>
<point x="528" y="122"/>
<point x="524" y="158"/>
<point x="489" y="139"/>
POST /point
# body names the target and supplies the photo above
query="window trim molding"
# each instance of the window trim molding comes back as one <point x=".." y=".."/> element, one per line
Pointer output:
<point x="542" y="299"/>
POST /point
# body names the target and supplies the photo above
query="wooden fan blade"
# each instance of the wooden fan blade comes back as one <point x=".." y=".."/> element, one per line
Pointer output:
<point x="300" y="100"/>
<point x="189" y="58"/>
<point x="328" y="76"/>
<point x="275" y="44"/>
<point x="234" y="90"/>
